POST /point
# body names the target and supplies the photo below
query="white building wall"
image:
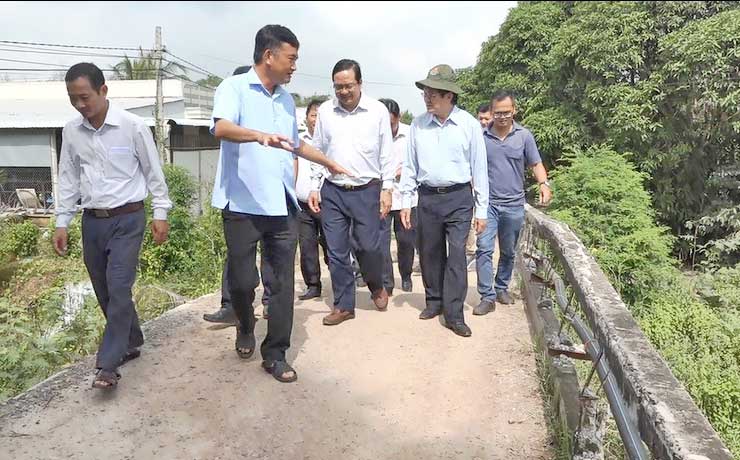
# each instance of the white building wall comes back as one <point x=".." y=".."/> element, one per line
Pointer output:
<point x="25" y="147"/>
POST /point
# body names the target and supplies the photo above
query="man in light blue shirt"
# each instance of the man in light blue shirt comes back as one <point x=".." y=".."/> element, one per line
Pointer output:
<point x="254" y="117"/>
<point x="445" y="153"/>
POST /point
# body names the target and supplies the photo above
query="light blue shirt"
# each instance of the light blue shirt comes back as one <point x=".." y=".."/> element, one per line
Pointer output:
<point x="250" y="177"/>
<point x="444" y="154"/>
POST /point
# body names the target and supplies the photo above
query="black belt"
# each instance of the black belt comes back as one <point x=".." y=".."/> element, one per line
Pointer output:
<point x="124" y="209"/>
<point x="356" y="187"/>
<point x="428" y="190"/>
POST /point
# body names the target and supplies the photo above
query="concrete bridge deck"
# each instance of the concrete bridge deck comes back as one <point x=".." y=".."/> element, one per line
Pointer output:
<point x="385" y="385"/>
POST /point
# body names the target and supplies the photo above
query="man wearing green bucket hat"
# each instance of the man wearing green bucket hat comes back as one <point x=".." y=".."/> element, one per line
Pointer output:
<point x="446" y="163"/>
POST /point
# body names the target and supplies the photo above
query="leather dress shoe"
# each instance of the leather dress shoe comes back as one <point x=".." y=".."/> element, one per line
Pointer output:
<point x="429" y="313"/>
<point x="311" y="292"/>
<point x="380" y="298"/>
<point x="337" y="317"/>
<point x="225" y="315"/>
<point x="407" y="285"/>
<point x="460" y="329"/>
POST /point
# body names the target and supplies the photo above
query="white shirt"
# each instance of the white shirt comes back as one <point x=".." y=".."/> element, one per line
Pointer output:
<point x="400" y="145"/>
<point x="109" y="167"/>
<point x="303" y="181"/>
<point x="360" y="141"/>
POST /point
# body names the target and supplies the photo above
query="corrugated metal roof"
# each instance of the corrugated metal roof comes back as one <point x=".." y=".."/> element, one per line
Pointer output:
<point x="55" y="113"/>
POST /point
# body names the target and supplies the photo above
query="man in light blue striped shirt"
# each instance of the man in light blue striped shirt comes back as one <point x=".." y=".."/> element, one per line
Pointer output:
<point x="446" y="162"/>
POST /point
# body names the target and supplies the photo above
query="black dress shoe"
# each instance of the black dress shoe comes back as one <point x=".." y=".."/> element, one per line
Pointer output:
<point x="225" y="315"/>
<point x="406" y="285"/>
<point x="461" y="329"/>
<point x="484" y="307"/>
<point x="429" y="313"/>
<point x="311" y="293"/>
<point x="504" y="298"/>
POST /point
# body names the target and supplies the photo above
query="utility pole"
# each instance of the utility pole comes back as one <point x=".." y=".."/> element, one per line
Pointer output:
<point x="159" y="131"/>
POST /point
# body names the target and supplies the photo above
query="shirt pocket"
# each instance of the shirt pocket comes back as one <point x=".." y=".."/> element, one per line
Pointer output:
<point x="121" y="163"/>
<point x="514" y="149"/>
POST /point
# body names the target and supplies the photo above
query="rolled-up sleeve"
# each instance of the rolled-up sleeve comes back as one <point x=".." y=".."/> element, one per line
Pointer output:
<point x="317" y="171"/>
<point x="407" y="185"/>
<point x="68" y="184"/>
<point x="479" y="172"/>
<point x="146" y="151"/>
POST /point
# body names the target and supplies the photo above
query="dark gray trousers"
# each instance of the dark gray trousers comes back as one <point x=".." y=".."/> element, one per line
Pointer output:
<point x="111" y="249"/>
<point x="443" y="225"/>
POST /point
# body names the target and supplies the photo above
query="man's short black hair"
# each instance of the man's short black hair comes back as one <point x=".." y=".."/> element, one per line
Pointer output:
<point x="502" y="94"/>
<point x="272" y="37"/>
<point x="315" y="102"/>
<point x="89" y="71"/>
<point x="483" y="108"/>
<point x="392" y="106"/>
<point x="242" y="69"/>
<point x="346" y="64"/>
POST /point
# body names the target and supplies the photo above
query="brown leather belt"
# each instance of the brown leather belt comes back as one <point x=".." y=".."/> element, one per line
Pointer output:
<point x="113" y="212"/>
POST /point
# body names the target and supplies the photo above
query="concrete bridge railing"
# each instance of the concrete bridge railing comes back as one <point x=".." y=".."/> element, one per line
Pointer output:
<point x="655" y="415"/>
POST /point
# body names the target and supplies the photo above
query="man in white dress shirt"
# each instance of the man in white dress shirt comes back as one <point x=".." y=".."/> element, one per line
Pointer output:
<point x="405" y="238"/>
<point x="310" y="234"/>
<point x="354" y="130"/>
<point x="109" y="162"/>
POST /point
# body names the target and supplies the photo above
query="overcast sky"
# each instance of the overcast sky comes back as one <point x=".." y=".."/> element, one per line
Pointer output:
<point x="395" y="43"/>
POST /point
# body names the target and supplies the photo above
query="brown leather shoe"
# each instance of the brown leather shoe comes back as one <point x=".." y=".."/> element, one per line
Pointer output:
<point x="337" y="317"/>
<point x="380" y="299"/>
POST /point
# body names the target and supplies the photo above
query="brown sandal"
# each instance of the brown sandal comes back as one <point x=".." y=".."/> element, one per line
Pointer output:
<point x="105" y="380"/>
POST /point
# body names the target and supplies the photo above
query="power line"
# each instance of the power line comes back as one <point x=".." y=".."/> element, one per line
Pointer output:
<point x="61" y="53"/>
<point x="207" y="72"/>
<point x="76" y="46"/>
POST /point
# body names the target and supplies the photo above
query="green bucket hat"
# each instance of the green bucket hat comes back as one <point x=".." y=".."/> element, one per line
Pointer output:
<point x="440" y="77"/>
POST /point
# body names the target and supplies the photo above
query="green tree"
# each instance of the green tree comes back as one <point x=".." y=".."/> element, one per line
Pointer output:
<point x="659" y="79"/>
<point x="144" y="67"/>
<point x="407" y="117"/>
<point x="212" y="81"/>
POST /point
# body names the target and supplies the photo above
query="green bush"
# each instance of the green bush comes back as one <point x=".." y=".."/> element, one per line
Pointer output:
<point x="20" y="239"/>
<point x="601" y="196"/>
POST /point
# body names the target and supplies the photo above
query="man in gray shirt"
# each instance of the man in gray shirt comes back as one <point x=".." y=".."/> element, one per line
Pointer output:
<point x="509" y="147"/>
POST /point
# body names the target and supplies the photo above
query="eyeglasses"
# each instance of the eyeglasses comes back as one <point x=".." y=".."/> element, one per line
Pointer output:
<point x="430" y="94"/>
<point x="502" y="115"/>
<point x="348" y="87"/>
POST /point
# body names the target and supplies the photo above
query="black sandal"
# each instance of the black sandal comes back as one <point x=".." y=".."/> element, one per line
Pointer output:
<point x="278" y="368"/>
<point x="105" y="380"/>
<point x="131" y="354"/>
<point x="244" y="341"/>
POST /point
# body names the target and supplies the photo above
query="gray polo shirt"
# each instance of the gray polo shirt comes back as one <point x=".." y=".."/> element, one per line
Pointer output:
<point x="507" y="160"/>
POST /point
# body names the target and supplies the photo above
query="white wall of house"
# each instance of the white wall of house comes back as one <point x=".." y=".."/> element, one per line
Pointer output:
<point x="25" y="147"/>
<point x="201" y="164"/>
<point x="171" y="110"/>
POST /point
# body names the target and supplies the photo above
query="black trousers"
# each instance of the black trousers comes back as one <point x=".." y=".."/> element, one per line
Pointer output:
<point x="310" y="237"/>
<point x="265" y="275"/>
<point x="357" y="211"/>
<point x="405" y="242"/>
<point x="111" y="249"/>
<point x="443" y="225"/>
<point x="279" y="236"/>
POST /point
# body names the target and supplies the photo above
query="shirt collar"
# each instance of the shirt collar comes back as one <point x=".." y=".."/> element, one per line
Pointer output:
<point x="112" y="117"/>
<point x="403" y="131"/>
<point x="489" y="132"/>
<point x="362" y="105"/>
<point x="453" y="118"/>
<point x="254" y="79"/>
